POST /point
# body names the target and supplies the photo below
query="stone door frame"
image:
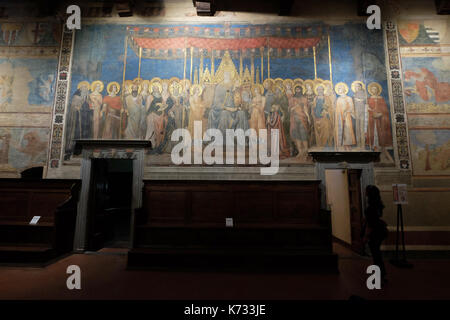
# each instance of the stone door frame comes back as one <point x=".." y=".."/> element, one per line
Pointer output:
<point x="107" y="149"/>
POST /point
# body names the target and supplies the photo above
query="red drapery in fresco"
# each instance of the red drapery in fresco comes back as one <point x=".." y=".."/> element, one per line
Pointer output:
<point x="226" y="44"/>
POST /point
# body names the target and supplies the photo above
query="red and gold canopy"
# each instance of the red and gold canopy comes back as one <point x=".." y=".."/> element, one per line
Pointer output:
<point x="172" y="42"/>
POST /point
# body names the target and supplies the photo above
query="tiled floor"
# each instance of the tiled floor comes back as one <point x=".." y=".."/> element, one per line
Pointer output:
<point x="104" y="276"/>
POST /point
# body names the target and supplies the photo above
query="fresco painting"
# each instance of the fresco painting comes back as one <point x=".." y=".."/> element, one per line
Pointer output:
<point x="425" y="47"/>
<point x="22" y="148"/>
<point x="39" y="33"/>
<point x="424" y="32"/>
<point x="428" y="121"/>
<point x="430" y="151"/>
<point x="318" y="85"/>
<point x="27" y="85"/>
<point x="427" y="84"/>
<point x="28" y="66"/>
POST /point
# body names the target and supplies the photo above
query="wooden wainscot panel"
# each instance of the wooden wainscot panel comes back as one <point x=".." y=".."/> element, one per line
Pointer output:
<point x="247" y="202"/>
<point x="275" y="223"/>
<point x="297" y="207"/>
<point x="20" y="199"/>
<point x="211" y="206"/>
<point x="44" y="203"/>
<point x="254" y="206"/>
<point x="14" y="205"/>
<point x="167" y="205"/>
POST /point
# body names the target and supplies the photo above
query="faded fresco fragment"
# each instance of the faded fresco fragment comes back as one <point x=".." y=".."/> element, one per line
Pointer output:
<point x="27" y="85"/>
<point x="28" y="63"/>
<point x="321" y="86"/>
<point x="425" y="52"/>
<point x="22" y="148"/>
<point x="430" y="151"/>
<point x="28" y="67"/>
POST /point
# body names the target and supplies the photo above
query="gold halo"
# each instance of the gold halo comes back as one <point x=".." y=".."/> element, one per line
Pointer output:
<point x="281" y="88"/>
<point x="298" y="80"/>
<point x="341" y="84"/>
<point x="139" y="89"/>
<point x="145" y="82"/>
<point x="310" y="82"/>
<point x="165" y="81"/>
<point x="183" y="83"/>
<point x="172" y="87"/>
<point x="127" y="86"/>
<point x="328" y="86"/>
<point x="318" y="80"/>
<point x="83" y="83"/>
<point x="267" y="81"/>
<point x="199" y="87"/>
<point x="259" y="86"/>
<point x="355" y="83"/>
<point x="173" y="79"/>
<point x="375" y="84"/>
<point x="278" y="80"/>
<point x="108" y="87"/>
<point x="297" y="86"/>
<point x="155" y="84"/>
<point x="156" y="79"/>
<point x="102" y="86"/>
<point x="317" y="86"/>
<point x="288" y="81"/>
<point x="325" y="82"/>
<point x="138" y="80"/>
<point x="131" y="84"/>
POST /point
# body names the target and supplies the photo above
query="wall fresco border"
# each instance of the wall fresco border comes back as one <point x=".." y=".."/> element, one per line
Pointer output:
<point x="398" y="110"/>
<point x="61" y="97"/>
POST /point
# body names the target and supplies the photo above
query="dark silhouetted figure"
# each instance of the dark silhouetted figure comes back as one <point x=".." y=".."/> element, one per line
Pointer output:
<point x="375" y="229"/>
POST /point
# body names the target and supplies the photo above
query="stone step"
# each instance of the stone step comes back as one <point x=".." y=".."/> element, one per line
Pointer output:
<point x="220" y="236"/>
<point x="25" y="253"/>
<point x="25" y="233"/>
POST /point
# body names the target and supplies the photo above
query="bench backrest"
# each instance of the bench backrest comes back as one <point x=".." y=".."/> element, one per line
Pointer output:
<point x="20" y="200"/>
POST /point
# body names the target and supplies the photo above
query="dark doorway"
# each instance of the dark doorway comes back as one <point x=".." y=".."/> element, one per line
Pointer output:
<point x="110" y="204"/>
<point x="356" y="210"/>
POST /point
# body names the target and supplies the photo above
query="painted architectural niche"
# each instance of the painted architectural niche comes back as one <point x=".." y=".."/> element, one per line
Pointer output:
<point x="28" y="61"/>
<point x="324" y="87"/>
<point x="425" y="54"/>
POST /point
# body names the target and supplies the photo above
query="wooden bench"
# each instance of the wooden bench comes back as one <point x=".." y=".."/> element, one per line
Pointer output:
<point x="20" y="201"/>
<point x="275" y="223"/>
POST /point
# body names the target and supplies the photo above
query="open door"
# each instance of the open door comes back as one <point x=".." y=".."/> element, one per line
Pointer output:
<point x="110" y="204"/>
<point x="343" y="188"/>
<point x="338" y="200"/>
